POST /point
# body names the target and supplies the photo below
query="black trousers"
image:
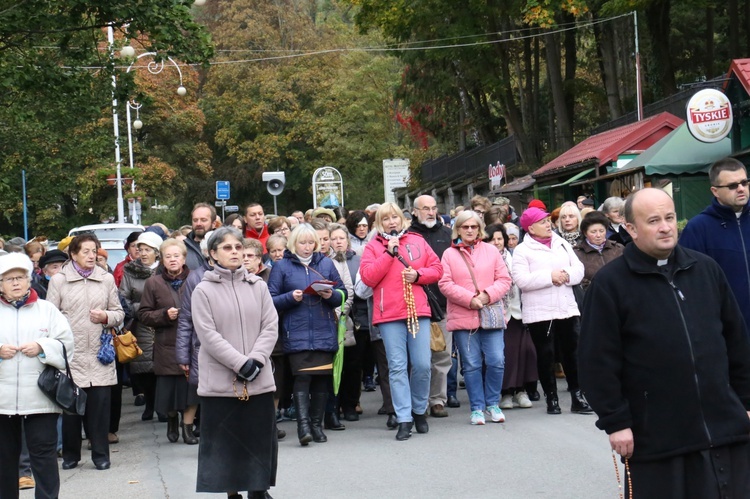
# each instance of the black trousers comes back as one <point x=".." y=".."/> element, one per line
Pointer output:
<point x="351" y="374"/>
<point x="96" y="421"/>
<point x="115" y="407"/>
<point x="40" y="431"/>
<point x="718" y="473"/>
<point x="146" y="383"/>
<point x="381" y="359"/>
<point x="543" y="335"/>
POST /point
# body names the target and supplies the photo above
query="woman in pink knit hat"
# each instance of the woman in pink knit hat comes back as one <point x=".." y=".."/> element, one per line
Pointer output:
<point x="545" y="269"/>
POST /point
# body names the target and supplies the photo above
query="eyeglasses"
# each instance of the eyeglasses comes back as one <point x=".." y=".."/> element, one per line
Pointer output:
<point x="470" y="227"/>
<point x="362" y="225"/>
<point x="479" y="212"/>
<point x="229" y="247"/>
<point x="428" y="209"/>
<point x="252" y="256"/>
<point x="15" y="279"/>
<point x="733" y="186"/>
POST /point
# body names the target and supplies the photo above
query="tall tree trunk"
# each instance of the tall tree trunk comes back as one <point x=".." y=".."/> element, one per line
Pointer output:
<point x="564" y="125"/>
<point x="733" y="16"/>
<point x="708" y="65"/>
<point x="605" y="49"/>
<point x="659" y="26"/>
<point x="569" y="85"/>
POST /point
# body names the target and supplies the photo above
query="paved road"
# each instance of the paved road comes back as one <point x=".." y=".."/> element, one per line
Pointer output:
<point x="532" y="455"/>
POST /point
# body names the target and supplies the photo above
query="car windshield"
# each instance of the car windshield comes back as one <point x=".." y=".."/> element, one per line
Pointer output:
<point x="113" y="234"/>
<point x="115" y="256"/>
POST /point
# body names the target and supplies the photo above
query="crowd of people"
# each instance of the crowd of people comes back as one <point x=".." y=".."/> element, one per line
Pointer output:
<point x="245" y="320"/>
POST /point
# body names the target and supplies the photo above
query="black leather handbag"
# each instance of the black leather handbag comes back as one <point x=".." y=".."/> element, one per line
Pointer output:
<point x="59" y="387"/>
<point x="436" y="312"/>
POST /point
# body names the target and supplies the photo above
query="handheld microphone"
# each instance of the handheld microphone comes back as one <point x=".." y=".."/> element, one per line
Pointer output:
<point x="395" y="248"/>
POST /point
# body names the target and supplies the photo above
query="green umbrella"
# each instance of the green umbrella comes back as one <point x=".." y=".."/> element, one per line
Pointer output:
<point x="338" y="359"/>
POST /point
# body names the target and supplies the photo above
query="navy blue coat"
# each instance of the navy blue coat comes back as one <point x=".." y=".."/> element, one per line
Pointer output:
<point x="720" y="234"/>
<point x="309" y="324"/>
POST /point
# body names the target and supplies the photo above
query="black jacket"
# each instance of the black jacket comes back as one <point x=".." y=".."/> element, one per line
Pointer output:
<point x="195" y="256"/>
<point x="663" y="351"/>
<point x="438" y="238"/>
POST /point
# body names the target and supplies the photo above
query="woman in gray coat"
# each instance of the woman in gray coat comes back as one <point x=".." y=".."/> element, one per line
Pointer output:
<point x="133" y="281"/>
<point x="236" y="322"/>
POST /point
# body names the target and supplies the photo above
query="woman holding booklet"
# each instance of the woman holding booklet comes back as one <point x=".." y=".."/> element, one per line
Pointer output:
<point x="305" y="289"/>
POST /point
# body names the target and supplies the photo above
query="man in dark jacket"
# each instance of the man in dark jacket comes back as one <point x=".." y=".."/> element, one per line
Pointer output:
<point x="664" y="361"/>
<point x="722" y="231"/>
<point x="202" y="219"/>
<point x="427" y="224"/>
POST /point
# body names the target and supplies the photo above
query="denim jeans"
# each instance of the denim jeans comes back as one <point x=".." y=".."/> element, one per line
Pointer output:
<point x="472" y="347"/>
<point x="409" y="391"/>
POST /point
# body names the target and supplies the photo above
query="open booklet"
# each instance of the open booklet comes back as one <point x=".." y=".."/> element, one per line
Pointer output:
<point x="316" y="286"/>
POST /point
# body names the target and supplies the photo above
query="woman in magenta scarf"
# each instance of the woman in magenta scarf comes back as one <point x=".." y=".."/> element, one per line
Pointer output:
<point x="545" y="269"/>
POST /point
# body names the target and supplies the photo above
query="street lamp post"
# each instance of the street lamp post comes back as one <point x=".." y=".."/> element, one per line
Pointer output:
<point x="153" y="67"/>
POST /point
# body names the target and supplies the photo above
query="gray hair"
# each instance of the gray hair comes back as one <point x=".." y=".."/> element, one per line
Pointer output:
<point x="463" y="217"/>
<point x="220" y="234"/>
<point x="611" y="204"/>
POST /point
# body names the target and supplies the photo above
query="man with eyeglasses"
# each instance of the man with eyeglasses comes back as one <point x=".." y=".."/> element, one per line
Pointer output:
<point x="428" y="224"/>
<point x="722" y="230"/>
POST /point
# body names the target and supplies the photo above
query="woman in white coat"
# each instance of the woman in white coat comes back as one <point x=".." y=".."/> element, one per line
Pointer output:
<point x="545" y="269"/>
<point x="32" y="336"/>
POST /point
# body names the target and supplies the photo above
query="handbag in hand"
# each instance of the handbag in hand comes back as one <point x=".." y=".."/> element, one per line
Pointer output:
<point x="437" y="338"/>
<point x="59" y="387"/>
<point x="491" y="315"/>
<point x="126" y="346"/>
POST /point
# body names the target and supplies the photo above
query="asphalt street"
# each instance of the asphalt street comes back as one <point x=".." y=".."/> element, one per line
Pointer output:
<point x="532" y="455"/>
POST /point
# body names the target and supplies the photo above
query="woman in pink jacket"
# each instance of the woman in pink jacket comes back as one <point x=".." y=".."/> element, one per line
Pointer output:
<point x="474" y="275"/>
<point x="396" y="264"/>
<point x="545" y="268"/>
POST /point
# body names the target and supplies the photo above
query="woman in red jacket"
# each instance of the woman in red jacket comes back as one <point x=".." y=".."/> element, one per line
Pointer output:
<point x="476" y="276"/>
<point x="396" y="264"/>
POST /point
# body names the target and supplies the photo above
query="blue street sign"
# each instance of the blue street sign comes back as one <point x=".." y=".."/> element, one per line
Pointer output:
<point x="222" y="189"/>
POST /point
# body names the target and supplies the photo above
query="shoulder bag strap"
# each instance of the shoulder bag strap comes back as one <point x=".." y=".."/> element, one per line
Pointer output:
<point x="65" y="356"/>
<point x="471" y="272"/>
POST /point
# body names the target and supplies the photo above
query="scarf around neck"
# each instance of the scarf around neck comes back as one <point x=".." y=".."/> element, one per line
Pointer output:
<point x="85" y="273"/>
<point x="547" y="241"/>
<point x="177" y="280"/>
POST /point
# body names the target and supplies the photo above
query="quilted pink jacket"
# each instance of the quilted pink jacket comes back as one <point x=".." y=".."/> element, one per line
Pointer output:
<point x="456" y="285"/>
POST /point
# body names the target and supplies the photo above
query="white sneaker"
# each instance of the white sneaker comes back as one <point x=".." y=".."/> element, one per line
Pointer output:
<point x="523" y="401"/>
<point x="496" y="414"/>
<point x="506" y="402"/>
<point x="477" y="417"/>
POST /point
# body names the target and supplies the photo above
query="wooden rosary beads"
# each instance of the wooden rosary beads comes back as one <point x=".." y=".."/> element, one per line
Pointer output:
<point x="627" y="476"/>
<point x="412" y="321"/>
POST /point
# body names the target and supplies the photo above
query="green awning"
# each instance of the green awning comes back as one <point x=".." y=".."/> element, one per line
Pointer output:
<point x="678" y="152"/>
<point x="575" y="177"/>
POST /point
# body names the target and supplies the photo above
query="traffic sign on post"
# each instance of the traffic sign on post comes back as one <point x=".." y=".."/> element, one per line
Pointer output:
<point x="222" y="189"/>
<point x="232" y="208"/>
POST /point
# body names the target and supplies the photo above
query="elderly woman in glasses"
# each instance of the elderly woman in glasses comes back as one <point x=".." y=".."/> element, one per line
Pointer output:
<point x="474" y="276"/>
<point x="33" y="337"/>
<point x="236" y="323"/>
<point x="545" y="269"/>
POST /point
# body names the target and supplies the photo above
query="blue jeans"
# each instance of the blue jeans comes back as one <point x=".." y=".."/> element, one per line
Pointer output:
<point x="472" y="347"/>
<point x="409" y="391"/>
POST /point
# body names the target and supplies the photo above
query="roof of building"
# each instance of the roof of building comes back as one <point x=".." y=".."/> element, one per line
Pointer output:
<point x="605" y="147"/>
<point x="741" y="68"/>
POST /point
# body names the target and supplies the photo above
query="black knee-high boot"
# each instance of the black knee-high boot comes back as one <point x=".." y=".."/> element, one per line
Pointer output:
<point x="302" y="404"/>
<point x="317" y="411"/>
